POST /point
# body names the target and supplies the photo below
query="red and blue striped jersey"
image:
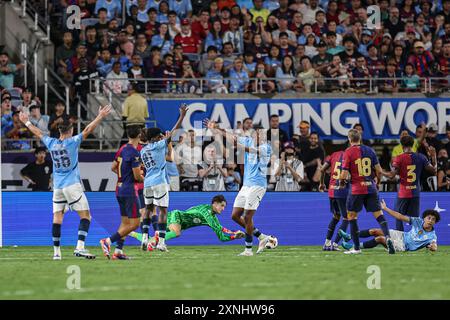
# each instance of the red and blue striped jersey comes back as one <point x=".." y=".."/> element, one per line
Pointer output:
<point x="360" y="161"/>
<point x="127" y="158"/>
<point x="410" y="166"/>
<point x="335" y="163"/>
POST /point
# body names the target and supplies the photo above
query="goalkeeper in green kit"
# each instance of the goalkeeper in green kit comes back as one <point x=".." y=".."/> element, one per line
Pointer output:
<point x="201" y="215"/>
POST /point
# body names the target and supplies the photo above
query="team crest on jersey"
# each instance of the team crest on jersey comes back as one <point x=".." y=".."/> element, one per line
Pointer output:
<point x="197" y="221"/>
<point x="420" y="232"/>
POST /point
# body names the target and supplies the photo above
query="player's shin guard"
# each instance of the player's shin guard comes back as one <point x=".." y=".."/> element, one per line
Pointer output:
<point x="155" y="222"/>
<point x="56" y="234"/>
<point x="248" y="241"/>
<point x="120" y="244"/>
<point x="331" y="227"/>
<point x="115" y="237"/>
<point x="83" y="230"/>
<point x="343" y="227"/>
<point x="384" y="226"/>
<point x="162" y="230"/>
<point x="369" y="244"/>
<point x="145" y="225"/>
<point x="355" y="233"/>
<point x="364" y="233"/>
<point x="258" y="233"/>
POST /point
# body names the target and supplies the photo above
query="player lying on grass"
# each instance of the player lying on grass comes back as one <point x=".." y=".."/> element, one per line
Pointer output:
<point x="421" y="235"/>
<point x="201" y="215"/>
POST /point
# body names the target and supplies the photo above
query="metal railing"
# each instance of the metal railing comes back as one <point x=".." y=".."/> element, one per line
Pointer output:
<point x="40" y="21"/>
<point x="369" y="85"/>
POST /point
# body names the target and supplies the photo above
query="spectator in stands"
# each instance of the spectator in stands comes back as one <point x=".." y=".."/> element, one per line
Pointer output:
<point x="394" y="25"/>
<point x="228" y="55"/>
<point x="105" y="63"/>
<point x="266" y="34"/>
<point x="233" y="178"/>
<point x="191" y="84"/>
<point x="7" y="71"/>
<point x="443" y="177"/>
<point x="167" y="71"/>
<point x="312" y="158"/>
<point x="283" y="28"/>
<point x="307" y="77"/>
<point x="410" y="80"/>
<point x="390" y="85"/>
<point x="151" y="25"/>
<point x="262" y="85"/>
<point x="202" y="27"/>
<point x="59" y="116"/>
<point x="306" y="31"/>
<point x="431" y="139"/>
<point x="309" y="11"/>
<point x="374" y="63"/>
<point x="350" y="54"/>
<point x="322" y="59"/>
<point x="259" y="50"/>
<point x="214" y="37"/>
<point x="359" y="73"/>
<point x="259" y="11"/>
<point x="239" y="79"/>
<point x="298" y="56"/>
<point x="73" y="64"/>
<point x="301" y="142"/>
<point x="141" y="47"/>
<point x="333" y="47"/>
<point x="7" y="120"/>
<point x="28" y="100"/>
<point x="143" y="10"/>
<point x="136" y="71"/>
<point x="135" y="107"/>
<point x="63" y="54"/>
<point x="275" y="134"/>
<point x="207" y="60"/>
<point x="249" y="64"/>
<point x="116" y="80"/>
<point x="235" y="36"/>
<point x="190" y="42"/>
<point x="215" y="77"/>
<point x="163" y="40"/>
<point x="38" y="120"/>
<point x="133" y="19"/>
<point x="421" y="60"/>
<point x="320" y="27"/>
<point x="81" y="82"/>
<point x="286" y="75"/>
<point x="211" y="170"/>
<point x="447" y="143"/>
<point x="39" y="172"/>
<point x="398" y="149"/>
<point x="282" y="10"/>
<point x="188" y="156"/>
<point x="17" y="132"/>
<point x="339" y="72"/>
<point x="113" y="8"/>
<point x="163" y="15"/>
<point x="289" y="171"/>
<point x="310" y="46"/>
<point x="102" y="24"/>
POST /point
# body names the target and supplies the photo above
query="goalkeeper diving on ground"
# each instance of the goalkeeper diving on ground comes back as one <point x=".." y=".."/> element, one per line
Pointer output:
<point x="201" y="215"/>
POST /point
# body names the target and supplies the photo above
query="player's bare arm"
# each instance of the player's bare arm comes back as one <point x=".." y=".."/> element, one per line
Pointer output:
<point x="183" y="110"/>
<point x="102" y="113"/>
<point x="323" y="170"/>
<point x="26" y="121"/>
<point x="393" y="213"/>
<point x="114" y="167"/>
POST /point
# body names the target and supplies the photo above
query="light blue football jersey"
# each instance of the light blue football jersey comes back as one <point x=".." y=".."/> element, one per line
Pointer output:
<point x="64" y="154"/>
<point x="417" y="238"/>
<point x="255" y="164"/>
<point x="154" y="157"/>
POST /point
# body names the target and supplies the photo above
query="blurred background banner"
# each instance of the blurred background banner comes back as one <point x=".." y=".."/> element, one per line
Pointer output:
<point x="382" y="118"/>
<point x="295" y="218"/>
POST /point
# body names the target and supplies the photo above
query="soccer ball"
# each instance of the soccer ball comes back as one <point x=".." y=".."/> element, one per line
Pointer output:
<point x="272" y="243"/>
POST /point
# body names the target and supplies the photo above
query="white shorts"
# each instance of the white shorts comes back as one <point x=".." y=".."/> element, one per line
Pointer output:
<point x="71" y="197"/>
<point x="249" y="198"/>
<point x="157" y="195"/>
<point x="398" y="240"/>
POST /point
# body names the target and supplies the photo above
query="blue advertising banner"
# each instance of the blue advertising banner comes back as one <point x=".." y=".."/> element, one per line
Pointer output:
<point x="382" y="118"/>
<point x="294" y="218"/>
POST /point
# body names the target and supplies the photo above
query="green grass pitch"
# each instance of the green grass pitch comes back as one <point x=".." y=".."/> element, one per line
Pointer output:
<point x="215" y="272"/>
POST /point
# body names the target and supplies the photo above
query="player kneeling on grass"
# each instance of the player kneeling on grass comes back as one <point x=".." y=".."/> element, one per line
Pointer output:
<point x="67" y="188"/>
<point x="201" y="215"/>
<point x="127" y="166"/>
<point x="421" y="235"/>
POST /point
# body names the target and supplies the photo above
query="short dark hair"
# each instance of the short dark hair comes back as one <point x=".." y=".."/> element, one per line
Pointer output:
<point x="218" y="199"/>
<point x="431" y="212"/>
<point x="102" y="9"/>
<point x="153" y="133"/>
<point x="248" y="118"/>
<point x="40" y="149"/>
<point x="358" y="125"/>
<point x="65" y="127"/>
<point x="407" y="141"/>
<point x="257" y="127"/>
<point x="274" y="116"/>
<point x="133" y="131"/>
<point x="283" y="34"/>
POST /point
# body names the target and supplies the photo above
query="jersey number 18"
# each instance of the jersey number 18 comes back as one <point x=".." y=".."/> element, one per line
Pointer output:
<point x="61" y="158"/>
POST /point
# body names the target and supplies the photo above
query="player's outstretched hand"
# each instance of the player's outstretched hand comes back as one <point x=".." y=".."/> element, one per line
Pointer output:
<point x="209" y="123"/>
<point x="167" y="135"/>
<point x="321" y="187"/>
<point x="383" y="204"/>
<point x="105" y="110"/>
<point x="239" y="234"/>
<point x="183" y="109"/>
<point x="23" y="117"/>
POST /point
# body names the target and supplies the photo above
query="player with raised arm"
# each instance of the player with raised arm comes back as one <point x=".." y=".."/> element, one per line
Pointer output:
<point x="421" y="235"/>
<point x="156" y="183"/>
<point x="67" y="189"/>
<point x="127" y="166"/>
<point x="256" y="160"/>
<point x="201" y="215"/>
<point x="409" y="166"/>
<point x="362" y="164"/>
<point x="337" y="196"/>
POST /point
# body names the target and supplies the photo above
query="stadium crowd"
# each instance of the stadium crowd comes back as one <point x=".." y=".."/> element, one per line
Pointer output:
<point x="288" y="45"/>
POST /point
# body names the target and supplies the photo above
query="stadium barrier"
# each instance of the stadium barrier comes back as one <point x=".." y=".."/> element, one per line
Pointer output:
<point x="294" y="218"/>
